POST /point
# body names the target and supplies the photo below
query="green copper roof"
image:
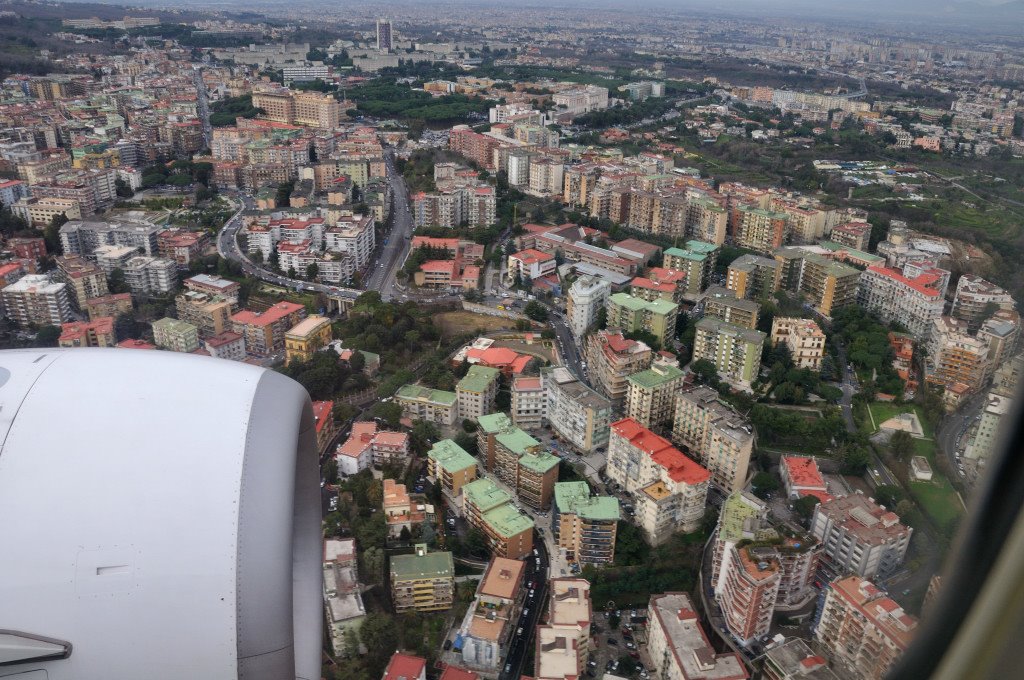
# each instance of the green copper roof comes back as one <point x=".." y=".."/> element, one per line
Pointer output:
<point x="656" y="376"/>
<point x="539" y="463"/>
<point x="451" y="456"/>
<point x="175" y="326"/>
<point x="478" y="378"/>
<point x="420" y="393"/>
<point x="574" y="498"/>
<point x="701" y="247"/>
<point x="636" y="304"/>
<point x="507" y="521"/>
<point x="516" y="441"/>
<point x="686" y="254"/>
<point x="857" y="254"/>
<point x="485" y="494"/>
<point x="430" y="565"/>
<point x="494" y="422"/>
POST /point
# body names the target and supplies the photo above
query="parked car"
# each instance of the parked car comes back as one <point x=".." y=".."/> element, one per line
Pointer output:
<point x="447" y="645"/>
<point x="613" y="642"/>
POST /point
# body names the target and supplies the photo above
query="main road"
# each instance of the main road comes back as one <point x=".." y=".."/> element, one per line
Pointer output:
<point x="954" y="426"/>
<point x="397" y="241"/>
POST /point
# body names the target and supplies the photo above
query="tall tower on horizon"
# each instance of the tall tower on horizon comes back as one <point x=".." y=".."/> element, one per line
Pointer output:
<point x="384" y="35"/>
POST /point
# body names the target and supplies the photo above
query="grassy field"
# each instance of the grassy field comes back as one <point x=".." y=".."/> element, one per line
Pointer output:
<point x="882" y="411"/>
<point x="937" y="498"/>
<point x="457" y="323"/>
<point x="993" y="221"/>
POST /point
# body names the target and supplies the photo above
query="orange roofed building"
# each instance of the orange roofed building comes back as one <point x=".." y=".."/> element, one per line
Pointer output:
<point x="401" y="509"/>
<point x="670" y="490"/>
<point x="801" y="477"/>
<point x="264" y="331"/>
<point x="96" y="333"/>
<point x="405" y="667"/>
<point x="323" y="412"/>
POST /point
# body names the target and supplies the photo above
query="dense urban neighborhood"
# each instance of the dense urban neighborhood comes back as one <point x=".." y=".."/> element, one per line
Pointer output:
<point x="661" y="347"/>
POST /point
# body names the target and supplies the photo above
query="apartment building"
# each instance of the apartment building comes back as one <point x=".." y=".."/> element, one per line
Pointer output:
<point x="1001" y="332"/>
<point x="509" y="533"/>
<point x="211" y="314"/>
<point x="306" y="338"/>
<point x="84" y="279"/>
<point x="859" y="536"/>
<point x="35" y="300"/>
<point x="795" y="660"/>
<point x="826" y="284"/>
<point x="722" y="303"/>
<point x="423" y="581"/>
<point x="146" y="275"/>
<point x="576" y="413"/>
<point x="476" y="391"/>
<point x="490" y="622"/>
<point x="264" y="331"/>
<point x="801" y="477"/>
<point x="975" y="300"/>
<point x="956" y="357"/>
<point x="402" y="511"/>
<point x="651" y="395"/>
<point x="473" y="204"/>
<point x="986" y="437"/>
<point x="227" y="345"/>
<point x="367" y="445"/>
<point x="742" y="518"/>
<point x="282" y="105"/>
<point x="96" y="333"/>
<point x="752" y="277"/>
<point x="862" y="629"/>
<point x="175" y="335"/>
<point x="41" y="211"/>
<point x="82" y="237"/>
<point x="587" y="296"/>
<point x="669" y="489"/>
<point x="760" y="230"/>
<point x="529" y="403"/>
<point x="678" y="646"/>
<point x="805" y="340"/>
<point x="451" y="466"/>
<point x="111" y="257"/>
<point x="424" y="403"/>
<point x="913" y="302"/>
<point x="750" y="585"/>
<point x="611" y="359"/>
<point x="213" y="285"/>
<point x="108" y="305"/>
<point x="716" y="436"/>
<point x="580" y="100"/>
<point x="584" y="525"/>
<point x="563" y="644"/>
<point x="517" y="459"/>
<point x="856" y="235"/>
<point x="657" y="317"/>
<point x="735" y="351"/>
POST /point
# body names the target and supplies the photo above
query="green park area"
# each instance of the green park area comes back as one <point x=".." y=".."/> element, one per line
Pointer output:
<point x="879" y="412"/>
<point x="937" y="497"/>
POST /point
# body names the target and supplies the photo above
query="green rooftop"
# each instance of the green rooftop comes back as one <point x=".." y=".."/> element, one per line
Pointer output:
<point x="854" y="253"/>
<point x="451" y="456"/>
<point x="701" y="247"/>
<point x="175" y="326"/>
<point x="539" y="463"/>
<point x="516" y="440"/>
<point x="740" y="511"/>
<point x="686" y="254"/>
<point x="507" y="521"/>
<point x="478" y="379"/>
<point x="574" y="498"/>
<point x="636" y="304"/>
<point x="423" y="565"/>
<point x="421" y="393"/>
<point x="656" y="376"/>
<point x="485" y="494"/>
<point x="493" y="423"/>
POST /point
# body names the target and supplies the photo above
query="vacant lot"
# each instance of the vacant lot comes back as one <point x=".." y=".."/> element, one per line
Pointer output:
<point x="881" y="412"/>
<point x="460" y="322"/>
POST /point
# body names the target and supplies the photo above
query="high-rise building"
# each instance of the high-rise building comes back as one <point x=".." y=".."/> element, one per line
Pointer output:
<point x="384" y="36"/>
<point x="735" y="351"/>
<point x="424" y="403"/>
<point x="795" y="660"/>
<point x="631" y="314"/>
<point x="95" y="333"/>
<point x="451" y="466"/>
<point x="36" y="300"/>
<point x="976" y="300"/>
<point x="490" y="622"/>
<point x="517" y="459"/>
<point x="724" y="304"/>
<point x="716" y="436"/>
<point x="749" y="586"/>
<point x="211" y="314"/>
<point x="563" y="643"/>
<point x="611" y="359"/>
<point x="509" y="533"/>
<point x="679" y="648"/>
<point x="651" y="395"/>
<point x="264" y="331"/>
<point x="669" y="489"/>
<point x="752" y="277"/>
<point x="576" y="413"/>
<point x="697" y="261"/>
<point x="476" y="391"/>
<point x="955" y="356"/>
<point x="826" y="284"/>
<point x="584" y="525"/>
<point x="529" y="404"/>
<point x="859" y="536"/>
<point x="804" y="338"/>
<point x="761" y="230"/>
<point x="85" y="280"/>
<point x="914" y="302"/>
<point x="587" y="296"/>
<point x="423" y="581"/>
<point x="987" y="435"/>
<point x="863" y="629"/>
<point x="175" y="335"/>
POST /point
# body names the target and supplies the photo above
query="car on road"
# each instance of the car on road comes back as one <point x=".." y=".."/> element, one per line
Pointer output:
<point x="526" y="612"/>
<point x="519" y="631"/>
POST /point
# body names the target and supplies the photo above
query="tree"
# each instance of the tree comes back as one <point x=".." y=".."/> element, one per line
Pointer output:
<point x="704" y="372"/>
<point x="292" y="273"/>
<point x="390" y="412"/>
<point x="379" y="635"/>
<point x="123" y="189"/>
<point x="48" y="336"/>
<point x="854" y="459"/>
<point x="476" y="543"/>
<point x="373" y="564"/>
<point x="630" y="548"/>
<point x="405" y="534"/>
<point x="536" y="311"/>
<point x="331" y="471"/>
<point x="889" y="495"/>
<point x="764" y="484"/>
<point x="125" y="326"/>
<point x="375" y="493"/>
<point x="116" y="282"/>
<point x="901" y="445"/>
<point x="805" y="506"/>
<point x="312" y="269"/>
<point x="51" y="234"/>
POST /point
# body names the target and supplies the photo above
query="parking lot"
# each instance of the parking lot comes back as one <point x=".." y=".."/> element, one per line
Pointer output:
<point x="627" y="639"/>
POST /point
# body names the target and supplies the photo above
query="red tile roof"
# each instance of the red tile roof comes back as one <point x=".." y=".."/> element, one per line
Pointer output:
<point x="323" y="411"/>
<point x="136" y="344"/>
<point x="679" y="467"/>
<point x="272" y="315"/>
<point x="922" y="284"/>
<point x="804" y="473"/>
<point x="405" y="666"/>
